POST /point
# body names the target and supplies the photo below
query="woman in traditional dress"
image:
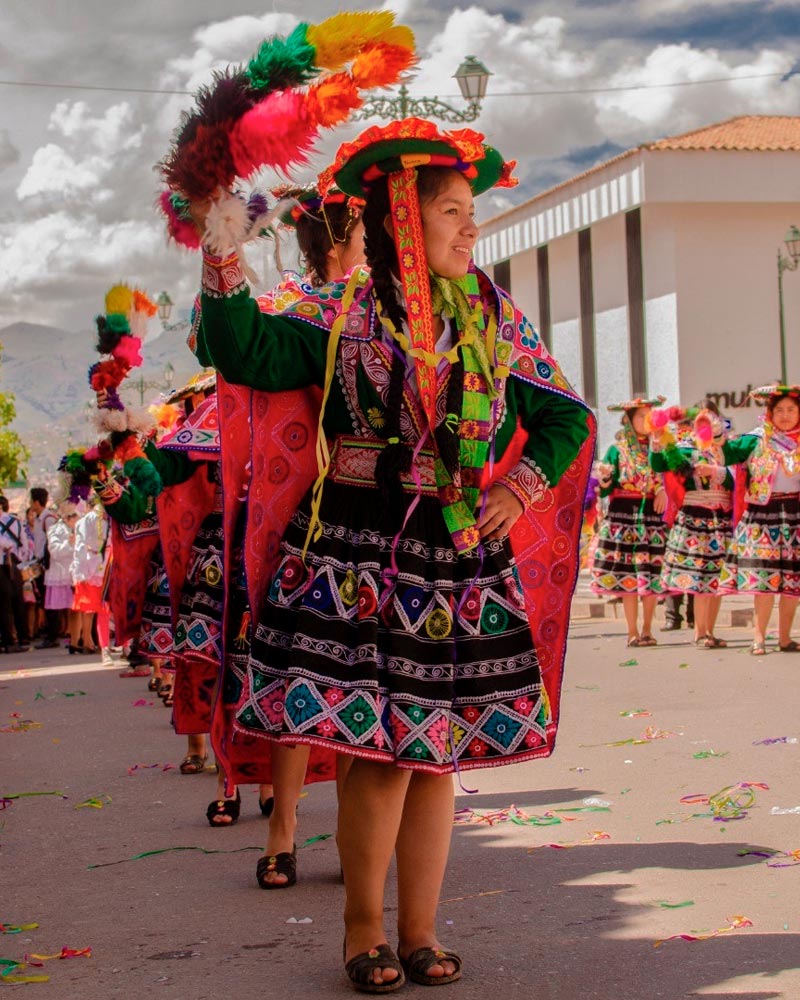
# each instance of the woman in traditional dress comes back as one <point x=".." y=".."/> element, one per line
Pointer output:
<point x="395" y="629"/>
<point x="764" y="557"/>
<point x="632" y="536"/>
<point x="701" y="533"/>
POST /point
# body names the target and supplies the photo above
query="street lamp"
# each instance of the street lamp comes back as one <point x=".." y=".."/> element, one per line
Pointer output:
<point x="165" y="304"/>
<point x="472" y="77"/>
<point x="142" y="384"/>
<point x="790" y="263"/>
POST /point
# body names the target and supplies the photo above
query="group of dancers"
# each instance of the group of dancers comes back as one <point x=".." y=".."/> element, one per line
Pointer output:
<point x="694" y="510"/>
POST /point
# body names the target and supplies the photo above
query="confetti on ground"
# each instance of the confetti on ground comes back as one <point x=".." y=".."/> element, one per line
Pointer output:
<point x="141" y="702"/>
<point x="734" y="924"/>
<point x="16" y="928"/>
<point x="629" y="663"/>
<point x="204" y="850"/>
<point x="705" y="754"/>
<point x="587" y="687"/>
<point x="675" y="906"/>
<point x="10" y="968"/>
<point x="792" y="857"/>
<point x="299" y="920"/>
<point x="512" y="814"/>
<point x="683" y="666"/>
<point x="8" y="800"/>
<point x="651" y="733"/>
<point x="147" y="767"/>
<point x="775" y="739"/>
<point x="19" y="725"/>
<point x="97" y="802"/>
<point x="784" y="810"/>
<point x="477" y="895"/>
<point x="636" y="713"/>
<point x="39" y="696"/>
<point x="729" y="803"/>
<point x="594" y="837"/>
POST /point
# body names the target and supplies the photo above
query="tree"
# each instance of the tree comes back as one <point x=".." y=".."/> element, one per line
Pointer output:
<point x="13" y="453"/>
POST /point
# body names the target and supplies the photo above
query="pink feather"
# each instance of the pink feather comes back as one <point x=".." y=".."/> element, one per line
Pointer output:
<point x="127" y="351"/>
<point x="658" y="419"/>
<point x="703" y="430"/>
<point x="277" y="133"/>
<point x="183" y="231"/>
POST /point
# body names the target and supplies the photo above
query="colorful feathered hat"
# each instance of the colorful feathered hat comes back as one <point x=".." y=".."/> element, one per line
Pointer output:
<point x="764" y="393"/>
<point x="300" y="201"/>
<point x="636" y="403"/>
<point x="414" y="142"/>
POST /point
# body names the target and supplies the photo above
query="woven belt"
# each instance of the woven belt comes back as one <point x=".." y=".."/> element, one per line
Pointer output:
<point x="713" y="499"/>
<point x="353" y="463"/>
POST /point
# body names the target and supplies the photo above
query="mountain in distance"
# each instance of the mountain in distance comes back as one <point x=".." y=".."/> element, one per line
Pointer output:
<point x="46" y="369"/>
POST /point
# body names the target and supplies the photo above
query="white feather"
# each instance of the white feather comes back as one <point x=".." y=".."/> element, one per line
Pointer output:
<point x="226" y="224"/>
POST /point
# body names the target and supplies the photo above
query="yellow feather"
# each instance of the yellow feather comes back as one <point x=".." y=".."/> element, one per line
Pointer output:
<point x="119" y="299"/>
<point x="340" y="38"/>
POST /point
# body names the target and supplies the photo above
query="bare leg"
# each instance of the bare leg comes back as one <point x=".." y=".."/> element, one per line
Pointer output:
<point x="702" y="614"/>
<point x="74" y="618"/>
<point x="763" y="609"/>
<point x="288" y="774"/>
<point x="87" y="620"/>
<point x="648" y="610"/>
<point x="630" y="608"/>
<point x="714" y="604"/>
<point x="369" y="820"/>
<point x="427" y="820"/>
<point x="787" y="606"/>
<point x="343" y="762"/>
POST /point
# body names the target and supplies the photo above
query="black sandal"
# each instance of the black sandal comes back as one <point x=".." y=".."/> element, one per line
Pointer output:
<point x="166" y="695"/>
<point x="284" y="863"/>
<point x="790" y="647"/>
<point x="224" y="807"/>
<point x="193" y="763"/>
<point x="266" y="806"/>
<point x="154" y="684"/>
<point x="361" y="967"/>
<point x="419" y="962"/>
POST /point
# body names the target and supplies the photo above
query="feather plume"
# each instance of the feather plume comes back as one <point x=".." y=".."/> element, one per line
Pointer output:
<point x="381" y="64"/>
<point x="140" y="421"/>
<point x="110" y="420"/>
<point x="282" y="63"/>
<point x="119" y="299"/>
<point x="331" y="101"/>
<point x="203" y="165"/>
<point x="180" y="229"/>
<point x="227" y="223"/>
<point x="143" y="304"/>
<point x="127" y="448"/>
<point x="657" y="420"/>
<point x="257" y="206"/>
<point x="277" y="132"/>
<point x="107" y="339"/>
<point x="107" y="374"/>
<point x="105" y="452"/>
<point x="165" y="415"/>
<point x="340" y="38"/>
<point x="127" y="351"/>
<point x="227" y="99"/>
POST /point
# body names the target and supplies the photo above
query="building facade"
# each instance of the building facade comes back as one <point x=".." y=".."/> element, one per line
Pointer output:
<point x="656" y="272"/>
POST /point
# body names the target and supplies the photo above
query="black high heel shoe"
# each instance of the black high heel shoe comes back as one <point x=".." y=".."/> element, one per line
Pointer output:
<point x="224" y="807"/>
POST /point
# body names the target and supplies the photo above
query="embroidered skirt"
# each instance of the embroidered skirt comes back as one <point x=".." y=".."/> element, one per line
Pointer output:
<point x="412" y="658"/>
<point x="155" y="638"/>
<point x="696" y="548"/>
<point x="630" y="549"/>
<point x="765" y="552"/>
<point x="198" y="632"/>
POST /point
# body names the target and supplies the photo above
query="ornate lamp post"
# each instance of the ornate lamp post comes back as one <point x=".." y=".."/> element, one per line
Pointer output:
<point x="472" y="77"/>
<point x="141" y="384"/>
<point x="790" y="263"/>
<point x="165" y="304"/>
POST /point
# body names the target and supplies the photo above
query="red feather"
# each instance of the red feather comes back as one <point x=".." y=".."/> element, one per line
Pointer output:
<point x="277" y="132"/>
<point x="199" y="167"/>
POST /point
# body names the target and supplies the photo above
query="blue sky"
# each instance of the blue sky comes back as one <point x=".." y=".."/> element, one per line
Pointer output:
<point x="76" y="178"/>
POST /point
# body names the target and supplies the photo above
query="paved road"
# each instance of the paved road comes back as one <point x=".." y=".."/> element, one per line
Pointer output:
<point x="532" y="921"/>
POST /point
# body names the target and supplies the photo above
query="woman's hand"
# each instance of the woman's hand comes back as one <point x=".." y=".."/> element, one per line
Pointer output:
<point x="660" y="502"/>
<point x="502" y="510"/>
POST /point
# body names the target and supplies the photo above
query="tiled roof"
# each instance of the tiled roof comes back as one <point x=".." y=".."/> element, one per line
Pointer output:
<point x="746" y="132"/>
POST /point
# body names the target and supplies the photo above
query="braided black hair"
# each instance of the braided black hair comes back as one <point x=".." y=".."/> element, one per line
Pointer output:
<point x="381" y="256"/>
<point x="314" y="238"/>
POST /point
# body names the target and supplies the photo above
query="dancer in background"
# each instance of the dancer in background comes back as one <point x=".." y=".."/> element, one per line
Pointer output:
<point x="632" y="537"/>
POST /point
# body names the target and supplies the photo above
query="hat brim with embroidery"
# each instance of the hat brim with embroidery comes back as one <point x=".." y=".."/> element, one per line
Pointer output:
<point x="414" y="142"/>
<point x="764" y="393"/>
<point x="636" y="403"/>
<point x="203" y="382"/>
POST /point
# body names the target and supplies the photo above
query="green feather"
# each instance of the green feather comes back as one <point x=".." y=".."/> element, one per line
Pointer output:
<point x="281" y="63"/>
<point x="117" y="323"/>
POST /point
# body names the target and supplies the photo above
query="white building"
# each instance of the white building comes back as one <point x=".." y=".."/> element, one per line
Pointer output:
<point x="657" y="271"/>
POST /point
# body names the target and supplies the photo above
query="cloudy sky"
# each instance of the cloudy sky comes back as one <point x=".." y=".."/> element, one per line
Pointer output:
<point x="575" y="82"/>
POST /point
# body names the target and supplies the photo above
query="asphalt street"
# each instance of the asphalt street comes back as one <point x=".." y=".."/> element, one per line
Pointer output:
<point x="606" y="886"/>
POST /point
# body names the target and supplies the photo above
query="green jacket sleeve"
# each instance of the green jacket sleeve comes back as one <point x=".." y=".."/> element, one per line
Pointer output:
<point x="738" y="450"/>
<point x="258" y="349"/>
<point x="172" y="466"/>
<point x="556" y="427"/>
<point x="611" y="458"/>
<point x="130" y="506"/>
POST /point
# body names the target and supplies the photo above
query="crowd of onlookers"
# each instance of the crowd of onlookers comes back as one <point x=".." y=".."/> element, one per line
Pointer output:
<point x="53" y="562"/>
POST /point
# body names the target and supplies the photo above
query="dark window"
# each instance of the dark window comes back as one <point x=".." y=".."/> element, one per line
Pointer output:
<point x="633" y="245"/>
<point x="543" y="273"/>
<point x="502" y="275"/>
<point x="587" y="316"/>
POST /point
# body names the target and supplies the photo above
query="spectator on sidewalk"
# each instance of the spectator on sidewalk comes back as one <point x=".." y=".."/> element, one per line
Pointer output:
<point x="14" y="549"/>
<point x="89" y="559"/>
<point x="57" y="577"/>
